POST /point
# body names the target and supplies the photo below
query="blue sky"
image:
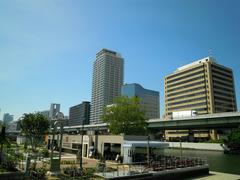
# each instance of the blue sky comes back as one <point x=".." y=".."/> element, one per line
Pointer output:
<point x="47" y="48"/>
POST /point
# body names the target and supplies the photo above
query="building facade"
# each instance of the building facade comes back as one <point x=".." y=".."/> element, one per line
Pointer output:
<point x="79" y="114"/>
<point x="149" y="99"/>
<point x="107" y="82"/>
<point x="203" y="86"/>
<point x="54" y="110"/>
<point x="12" y="126"/>
<point x="7" y="118"/>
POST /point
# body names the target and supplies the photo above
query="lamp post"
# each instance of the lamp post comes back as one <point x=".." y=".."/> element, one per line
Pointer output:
<point x="52" y="143"/>
<point x="148" y="150"/>
<point x="181" y="146"/>
<point x="148" y="146"/>
<point x="60" y="142"/>
<point x="55" y="163"/>
<point x="80" y="153"/>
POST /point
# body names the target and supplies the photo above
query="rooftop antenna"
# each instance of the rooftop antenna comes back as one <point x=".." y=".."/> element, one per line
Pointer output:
<point x="210" y="53"/>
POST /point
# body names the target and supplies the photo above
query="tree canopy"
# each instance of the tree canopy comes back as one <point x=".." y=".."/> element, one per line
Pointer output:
<point x="3" y="140"/>
<point x="34" y="126"/>
<point x="234" y="139"/>
<point x="125" y="116"/>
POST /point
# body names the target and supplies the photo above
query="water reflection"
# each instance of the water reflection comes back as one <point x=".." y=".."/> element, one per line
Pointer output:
<point x="218" y="161"/>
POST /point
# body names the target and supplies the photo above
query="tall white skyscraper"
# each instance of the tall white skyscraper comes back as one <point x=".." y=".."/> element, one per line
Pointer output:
<point x="107" y="82"/>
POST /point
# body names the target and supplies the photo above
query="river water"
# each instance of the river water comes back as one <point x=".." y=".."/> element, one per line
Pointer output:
<point x="218" y="161"/>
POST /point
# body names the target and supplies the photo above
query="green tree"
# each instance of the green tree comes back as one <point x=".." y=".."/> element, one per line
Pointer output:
<point x="3" y="140"/>
<point x="125" y="116"/>
<point x="234" y="139"/>
<point x="34" y="126"/>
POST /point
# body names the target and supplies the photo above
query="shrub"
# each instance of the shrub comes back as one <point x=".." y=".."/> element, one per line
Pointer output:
<point x="41" y="172"/>
<point x="45" y="153"/>
<point x="10" y="164"/>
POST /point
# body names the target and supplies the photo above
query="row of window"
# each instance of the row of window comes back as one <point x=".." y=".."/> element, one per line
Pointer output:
<point x="224" y="104"/>
<point x="186" y="96"/>
<point x="187" y="101"/>
<point x="186" y="91"/>
<point x="222" y="74"/>
<point x="76" y="146"/>
<point x="227" y="102"/>
<point x="186" y="86"/>
<point x="183" y="82"/>
<point x="186" y="106"/>
<point x="231" y="95"/>
<point x="180" y="73"/>
<point x="222" y="88"/>
<point x="222" y="69"/>
<point x="201" y="109"/>
<point x="224" y="79"/>
<point x="184" y="77"/>
<point x="224" y="110"/>
<point x="186" y="132"/>
<point x="226" y="83"/>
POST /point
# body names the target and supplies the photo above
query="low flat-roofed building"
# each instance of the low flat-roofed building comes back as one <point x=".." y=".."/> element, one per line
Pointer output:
<point x="108" y="146"/>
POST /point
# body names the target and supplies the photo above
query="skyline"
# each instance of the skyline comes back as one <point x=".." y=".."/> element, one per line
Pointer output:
<point x="47" y="48"/>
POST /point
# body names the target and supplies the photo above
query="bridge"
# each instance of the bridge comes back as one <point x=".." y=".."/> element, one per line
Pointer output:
<point x="208" y="121"/>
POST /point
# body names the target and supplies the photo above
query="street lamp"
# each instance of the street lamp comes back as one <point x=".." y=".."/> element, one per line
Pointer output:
<point x="55" y="165"/>
<point x="80" y="153"/>
<point x="60" y="143"/>
<point x="148" y="150"/>
<point x="148" y="146"/>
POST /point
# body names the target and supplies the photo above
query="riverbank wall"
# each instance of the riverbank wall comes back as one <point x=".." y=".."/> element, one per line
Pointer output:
<point x="198" y="146"/>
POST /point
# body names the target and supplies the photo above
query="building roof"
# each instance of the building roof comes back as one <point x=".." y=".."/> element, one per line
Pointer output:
<point x="206" y="59"/>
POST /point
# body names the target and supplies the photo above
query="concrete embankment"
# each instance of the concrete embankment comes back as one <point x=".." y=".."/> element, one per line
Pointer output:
<point x="198" y="146"/>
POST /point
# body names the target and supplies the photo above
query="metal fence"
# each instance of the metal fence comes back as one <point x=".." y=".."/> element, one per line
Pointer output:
<point x="163" y="163"/>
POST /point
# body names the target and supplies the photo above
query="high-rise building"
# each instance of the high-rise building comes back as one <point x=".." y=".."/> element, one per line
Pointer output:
<point x="54" y="110"/>
<point x="12" y="126"/>
<point x="107" y="82"/>
<point x="79" y="114"/>
<point x="7" y="118"/>
<point x="149" y="99"/>
<point x="203" y="86"/>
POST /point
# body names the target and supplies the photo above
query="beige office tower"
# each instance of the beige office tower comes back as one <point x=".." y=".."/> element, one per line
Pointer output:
<point x="202" y="86"/>
<point x="107" y="82"/>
